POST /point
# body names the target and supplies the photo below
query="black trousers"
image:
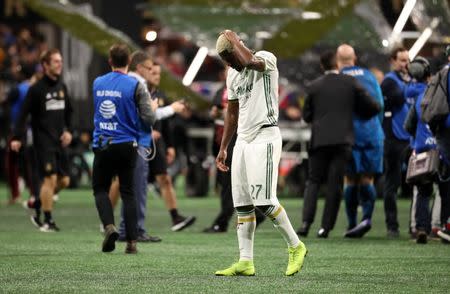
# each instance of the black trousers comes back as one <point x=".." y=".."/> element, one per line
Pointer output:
<point x="423" y="214"/>
<point x="395" y="151"/>
<point x="116" y="159"/>
<point x="328" y="162"/>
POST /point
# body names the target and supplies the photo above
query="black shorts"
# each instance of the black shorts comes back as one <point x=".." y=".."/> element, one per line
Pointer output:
<point x="158" y="166"/>
<point x="52" y="161"/>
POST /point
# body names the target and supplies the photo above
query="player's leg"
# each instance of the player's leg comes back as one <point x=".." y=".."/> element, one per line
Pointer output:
<point x="48" y="168"/>
<point x="158" y="167"/>
<point x="262" y="160"/>
<point x="351" y="200"/>
<point x="102" y="174"/>
<point x="246" y="222"/>
<point x="46" y="194"/>
<point x="367" y="196"/>
<point x="63" y="179"/>
<point x="371" y="164"/>
<point x="351" y="189"/>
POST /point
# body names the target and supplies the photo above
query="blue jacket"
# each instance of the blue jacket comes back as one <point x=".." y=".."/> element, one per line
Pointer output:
<point x="144" y="134"/>
<point x="115" y="113"/>
<point x="22" y="89"/>
<point x="399" y="114"/>
<point x="367" y="132"/>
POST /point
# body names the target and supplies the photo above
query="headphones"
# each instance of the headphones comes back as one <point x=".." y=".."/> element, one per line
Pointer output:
<point x="419" y="68"/>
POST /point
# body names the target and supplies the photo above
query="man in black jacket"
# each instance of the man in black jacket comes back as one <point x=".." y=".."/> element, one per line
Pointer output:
<point x="329" y="106"/>
<point x="48" y="103"/>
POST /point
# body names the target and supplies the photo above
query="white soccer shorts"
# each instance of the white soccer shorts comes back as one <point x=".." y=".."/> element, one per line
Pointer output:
<point x="254" y="169"/>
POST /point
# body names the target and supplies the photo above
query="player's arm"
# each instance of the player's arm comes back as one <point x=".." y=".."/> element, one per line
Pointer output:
<point x="231" y="120"/>
<point x="379" y="98"/>
<point x="364" y="105"/>
<point x="242" y="54"/>
<point x="392" y="93"/>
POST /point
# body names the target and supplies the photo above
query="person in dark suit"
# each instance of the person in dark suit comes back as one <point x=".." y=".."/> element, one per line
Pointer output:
<point x="329" y="106"/>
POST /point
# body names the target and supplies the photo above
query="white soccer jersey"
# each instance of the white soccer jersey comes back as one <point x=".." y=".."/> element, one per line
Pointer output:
<point x="257" y="93"/>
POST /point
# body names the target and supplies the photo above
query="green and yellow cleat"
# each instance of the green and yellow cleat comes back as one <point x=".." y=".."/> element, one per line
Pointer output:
<point x="296" y="258"/>
<point x="240" y="268"/>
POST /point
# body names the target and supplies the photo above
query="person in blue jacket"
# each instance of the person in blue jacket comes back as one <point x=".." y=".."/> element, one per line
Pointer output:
<point x="121" y="109"/>
<point x="423" y="140"/>
<point x="367" y="151"/>
<point x="140" y="68"/>
<point x="396" y="145"/>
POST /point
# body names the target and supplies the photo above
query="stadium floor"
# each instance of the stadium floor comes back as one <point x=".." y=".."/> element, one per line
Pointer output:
<point x="71" y="262"/>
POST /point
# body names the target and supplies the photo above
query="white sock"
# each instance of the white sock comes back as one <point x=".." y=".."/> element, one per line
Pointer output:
<point x="246" y="231"/>
<point x="281" y="221"/>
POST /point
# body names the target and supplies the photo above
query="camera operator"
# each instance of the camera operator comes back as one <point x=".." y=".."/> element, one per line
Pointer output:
<point x="423" y="141"/>
<point x="443" y="145"/>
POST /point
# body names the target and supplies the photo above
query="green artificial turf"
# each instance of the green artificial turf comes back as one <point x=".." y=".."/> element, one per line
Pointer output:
<point x="71" y="262"/>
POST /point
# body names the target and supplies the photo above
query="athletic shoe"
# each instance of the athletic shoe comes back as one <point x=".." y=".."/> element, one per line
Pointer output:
<point x="214" y="229"/>
<point x="393" y="234"/>
<point x="35" y="221"/>
<point x="304" y="229"/>
<point x="49" y="227"/>
<point x="240" y="268"/>
<point x="444" y="235"/>
<point x="359" y="230"/>
<point x="111" y="235"/>
<point x="322" y="233"/>
<point x="422" y="237"/>
<point x="144" y="238"/>
<point x="296" y="258"/>
<point x="131" y="247"/>
<point x="182" y="223"/>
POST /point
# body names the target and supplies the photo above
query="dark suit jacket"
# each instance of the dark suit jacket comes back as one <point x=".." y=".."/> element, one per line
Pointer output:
<point x="329" y="106"/>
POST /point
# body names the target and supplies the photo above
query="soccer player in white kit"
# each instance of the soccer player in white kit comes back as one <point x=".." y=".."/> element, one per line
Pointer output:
<point x="252" y="85"/>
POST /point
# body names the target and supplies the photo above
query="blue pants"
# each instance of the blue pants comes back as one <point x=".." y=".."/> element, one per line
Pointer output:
<point x="140" y="193"/>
